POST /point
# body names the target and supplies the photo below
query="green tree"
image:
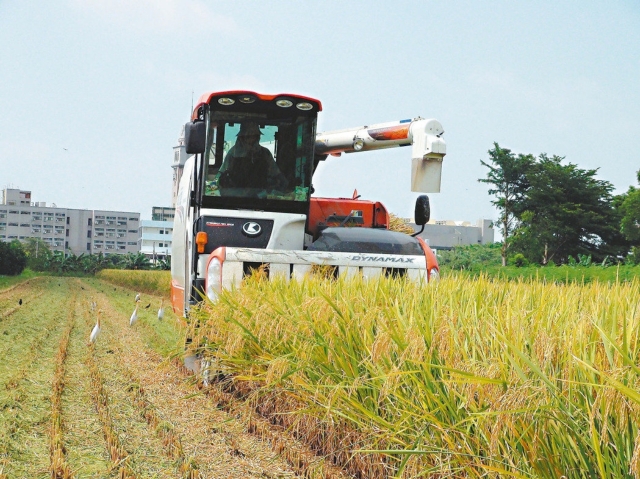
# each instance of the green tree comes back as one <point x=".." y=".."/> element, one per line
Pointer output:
<point x="38" y="254"/>
<point x="93" y="263"/>
<point x="13" y="259"/>
<point x="61" y="263"/>
<point x="163" y="264"/>
<point x="630" y="213"/>
<point x="508" y="177"/>
<point x="566" y="211"/>
<point x="135" y="261"/>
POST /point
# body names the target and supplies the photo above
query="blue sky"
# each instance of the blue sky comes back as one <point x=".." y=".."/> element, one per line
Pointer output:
<point x="93" y="93"/>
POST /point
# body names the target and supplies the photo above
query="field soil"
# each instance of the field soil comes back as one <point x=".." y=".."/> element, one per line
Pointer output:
<point x="121" y="407"/>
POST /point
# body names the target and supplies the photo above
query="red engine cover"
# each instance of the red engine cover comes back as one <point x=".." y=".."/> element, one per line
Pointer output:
<point x="325" y="212"/>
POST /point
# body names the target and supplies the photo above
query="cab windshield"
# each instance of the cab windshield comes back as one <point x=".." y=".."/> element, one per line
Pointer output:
<point x="250" y="157"/>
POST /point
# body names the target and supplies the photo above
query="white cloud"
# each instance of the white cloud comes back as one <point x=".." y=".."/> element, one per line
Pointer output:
<point x="186" y="16"/>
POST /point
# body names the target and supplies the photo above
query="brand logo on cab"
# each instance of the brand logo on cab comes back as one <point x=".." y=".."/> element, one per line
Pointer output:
<point x="251" y="228"/>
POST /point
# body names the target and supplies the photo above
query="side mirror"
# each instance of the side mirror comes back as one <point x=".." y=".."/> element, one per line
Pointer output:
<point x="423" y="210"/>
<point x="194" y="137"/>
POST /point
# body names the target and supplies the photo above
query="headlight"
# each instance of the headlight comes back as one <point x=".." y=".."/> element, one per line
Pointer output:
<point x="434" y="275"/>
<point x="358" y="144"/>
<point x="214" y="279"/>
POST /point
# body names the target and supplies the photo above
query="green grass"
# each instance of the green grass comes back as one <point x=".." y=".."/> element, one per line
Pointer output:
<point x="8" y="281"/>
<point x="556" y="274"/>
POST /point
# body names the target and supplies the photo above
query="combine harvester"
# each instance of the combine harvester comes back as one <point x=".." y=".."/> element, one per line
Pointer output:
<point x="241" y="206"/>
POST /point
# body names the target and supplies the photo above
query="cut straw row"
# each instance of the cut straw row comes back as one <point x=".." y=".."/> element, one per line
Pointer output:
<point x="295" y="453"/>
<point x="117" y="453"/>
<point x="59" y="467"/>
<point x="171" y="441"/>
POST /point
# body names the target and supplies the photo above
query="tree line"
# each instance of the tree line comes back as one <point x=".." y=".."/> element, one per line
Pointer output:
<point x="551" y="211"/>
<point x="36" y="255"/>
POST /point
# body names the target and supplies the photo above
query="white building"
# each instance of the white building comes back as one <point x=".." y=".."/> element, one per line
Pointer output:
<point x="66" y="229"/>
<point x="155" y="239"/>
<point x="155" y="234"/>
<point x="179" y="158"/>
<point x="446" y="234"/>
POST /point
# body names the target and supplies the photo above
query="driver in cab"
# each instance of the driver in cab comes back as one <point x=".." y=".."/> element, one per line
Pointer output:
<point x="250" y="165"/>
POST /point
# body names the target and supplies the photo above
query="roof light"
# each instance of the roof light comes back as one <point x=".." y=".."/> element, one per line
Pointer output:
<point x="284" y="103"/>
<point x="226" y="101"/>
<point x="247" y="99"/>
<point x="304" y="106"/>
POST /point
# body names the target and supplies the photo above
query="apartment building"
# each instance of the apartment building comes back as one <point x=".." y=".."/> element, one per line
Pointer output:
<point x="155" y="234"/>
<point x="66" y="229"/>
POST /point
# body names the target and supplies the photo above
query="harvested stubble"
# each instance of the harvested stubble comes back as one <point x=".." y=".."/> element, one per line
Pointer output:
<point x="164" y="429"/>
<point x="464" y="378"/>
<point x="26" y="292"/>
<point x="29" y="342"/>
<point x="185" y="416"/>
<point x="117" y="453"/>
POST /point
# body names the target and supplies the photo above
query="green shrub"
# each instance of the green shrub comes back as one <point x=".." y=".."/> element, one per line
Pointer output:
<point x="518" y="260"/>
<point x="13" y="259"/>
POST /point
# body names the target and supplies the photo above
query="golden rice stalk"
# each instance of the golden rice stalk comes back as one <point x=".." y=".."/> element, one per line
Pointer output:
<point x="399" y="224"/>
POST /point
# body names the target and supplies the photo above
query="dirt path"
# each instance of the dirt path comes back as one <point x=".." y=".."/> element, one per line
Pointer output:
<point x="117" y="408"/>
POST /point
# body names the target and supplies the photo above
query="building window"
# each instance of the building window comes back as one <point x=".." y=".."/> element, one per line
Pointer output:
<point x="88" y="246"/>
<point x="89" y="222"/>
<point x="89" y="234"/>
<point x="68" y="220"/>
<point x="133" y="219"/>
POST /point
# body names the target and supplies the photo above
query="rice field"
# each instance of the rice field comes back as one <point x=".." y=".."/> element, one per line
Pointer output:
<point x="464" y="378"/>
<point x="122" y="407"/>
